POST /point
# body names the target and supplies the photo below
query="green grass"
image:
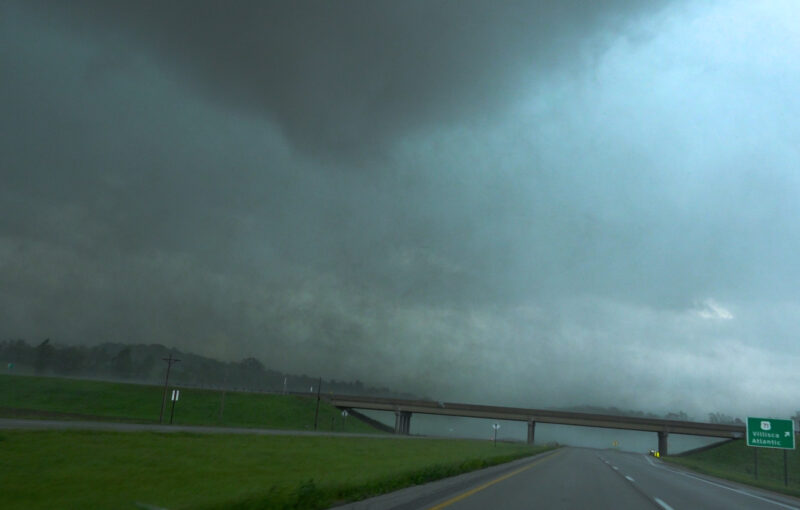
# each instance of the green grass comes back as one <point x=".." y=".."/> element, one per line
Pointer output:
<point x="80" y="469"/>
<point x="734" y="461"/>
<point x="61" y="398"/>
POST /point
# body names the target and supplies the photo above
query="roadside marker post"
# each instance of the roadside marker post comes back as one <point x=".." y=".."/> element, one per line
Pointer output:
<point x="176" y="394"/>
<point x="495" y="426"/>
<point x="770" y="433"/>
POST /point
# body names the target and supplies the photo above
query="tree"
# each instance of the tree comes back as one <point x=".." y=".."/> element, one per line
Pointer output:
<point x="68" y="360"/>
<point x="44" y="356"/>
<point x="796" y="419"/>
<point x="144" y="368"/>
<point x="121" y="364"/>
<point x="18" y="352"/>
<point x="723" y="419"/>
<point x="679" y="416"/>
<point x="251" y="373"/>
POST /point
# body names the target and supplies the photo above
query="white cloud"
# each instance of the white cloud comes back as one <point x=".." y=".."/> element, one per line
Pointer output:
<point x="710" y="309"/>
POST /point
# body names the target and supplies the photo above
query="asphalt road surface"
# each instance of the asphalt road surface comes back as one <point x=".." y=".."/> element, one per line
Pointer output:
<point x="579" y="478"/>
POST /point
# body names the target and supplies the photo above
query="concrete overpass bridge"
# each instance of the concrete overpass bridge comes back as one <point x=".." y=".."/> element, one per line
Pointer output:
<point x="404" y="409"/>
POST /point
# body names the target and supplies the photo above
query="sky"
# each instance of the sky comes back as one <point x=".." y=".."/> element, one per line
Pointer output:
<point x="510" y="203"/>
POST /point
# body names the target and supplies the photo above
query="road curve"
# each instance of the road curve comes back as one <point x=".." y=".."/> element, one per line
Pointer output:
<point x="578" y="478"/>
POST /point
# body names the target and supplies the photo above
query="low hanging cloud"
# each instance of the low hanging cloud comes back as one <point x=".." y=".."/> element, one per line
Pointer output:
<point x="343" y="79"/>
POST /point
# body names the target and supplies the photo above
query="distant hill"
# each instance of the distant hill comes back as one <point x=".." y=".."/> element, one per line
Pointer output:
<point x="144" y="363"/>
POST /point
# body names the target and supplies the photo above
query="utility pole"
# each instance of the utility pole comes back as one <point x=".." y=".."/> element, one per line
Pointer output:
<point x="316" y="413"/>
<point x="169" y="361"/>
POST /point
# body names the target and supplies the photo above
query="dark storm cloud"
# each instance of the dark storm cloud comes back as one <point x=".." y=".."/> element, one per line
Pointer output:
<point x="343" y="78"/>
<point x="154" y="170"/>
<point x="560" y="197"/>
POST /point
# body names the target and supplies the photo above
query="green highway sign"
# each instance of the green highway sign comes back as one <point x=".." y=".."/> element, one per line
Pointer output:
<point x="770" y="433"/>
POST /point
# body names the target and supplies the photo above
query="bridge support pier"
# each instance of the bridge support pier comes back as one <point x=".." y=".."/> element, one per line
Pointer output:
<point x="402" y="422"/>
<point x="662" y="443"/>
<point x="531" y="431"/>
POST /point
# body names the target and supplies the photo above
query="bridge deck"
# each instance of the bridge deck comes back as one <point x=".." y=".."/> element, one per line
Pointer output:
<point x="539" y="416"/>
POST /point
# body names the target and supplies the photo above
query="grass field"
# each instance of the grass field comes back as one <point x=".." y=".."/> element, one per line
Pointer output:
<point x="61" y="398"/>
<point x="77" y="469"/>
<point x="734" y="461"/>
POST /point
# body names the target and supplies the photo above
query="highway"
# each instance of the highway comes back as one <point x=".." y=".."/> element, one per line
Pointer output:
<point x="579" y="478"/>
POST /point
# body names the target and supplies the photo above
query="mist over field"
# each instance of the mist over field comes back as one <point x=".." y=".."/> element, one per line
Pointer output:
<point x="511" y="203"/>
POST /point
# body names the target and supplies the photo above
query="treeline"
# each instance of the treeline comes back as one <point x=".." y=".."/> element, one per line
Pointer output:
<point x="721" y="418"/>
<point x="724" y="419"/>
<point x="144" y="363"/>
<point x="615" y="411"/>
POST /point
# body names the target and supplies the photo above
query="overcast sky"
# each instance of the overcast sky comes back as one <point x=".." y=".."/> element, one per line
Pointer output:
<point x="499" y="202"/>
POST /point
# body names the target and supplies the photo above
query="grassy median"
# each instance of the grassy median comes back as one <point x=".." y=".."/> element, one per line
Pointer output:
<point x="62" y="398"/>
<point x="735" y="461"/>
<point x="81" y="469"/>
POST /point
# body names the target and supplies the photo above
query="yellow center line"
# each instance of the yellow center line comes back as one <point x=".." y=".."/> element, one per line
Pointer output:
<point x="470" y="492"/>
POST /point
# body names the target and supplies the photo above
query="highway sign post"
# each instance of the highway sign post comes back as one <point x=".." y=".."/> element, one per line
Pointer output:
<point x="771" y="433"/>
<point x="495" y="426"/>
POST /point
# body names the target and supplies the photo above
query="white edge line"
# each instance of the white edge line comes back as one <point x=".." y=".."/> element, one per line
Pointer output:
<point x="767" y="500"/>
<point x="663" y="505"/>
<point x="629" y="478"/>
<point x="740" y="491"/>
